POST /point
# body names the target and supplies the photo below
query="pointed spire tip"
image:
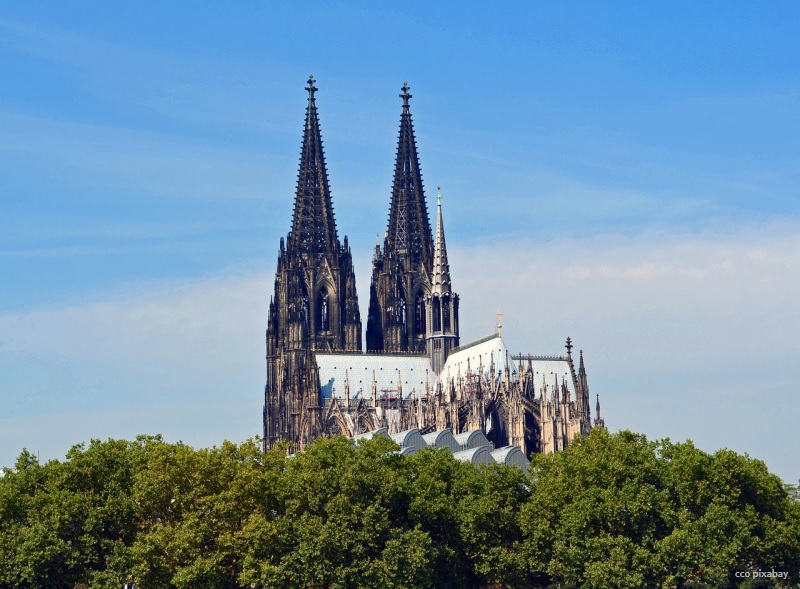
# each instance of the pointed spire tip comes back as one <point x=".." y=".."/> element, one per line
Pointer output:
<point x="405" y="95"/>
<point x="311" y="88"/>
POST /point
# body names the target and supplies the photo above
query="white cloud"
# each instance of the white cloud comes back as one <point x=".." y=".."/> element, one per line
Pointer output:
<point x="181" y="359"/>
<point x="684" y="336"/>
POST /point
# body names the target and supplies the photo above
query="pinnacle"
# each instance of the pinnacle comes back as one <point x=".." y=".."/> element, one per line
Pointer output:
<point x="409" y="233"/>
<point x="313" y="221"/>
<point x="441" y="269"/>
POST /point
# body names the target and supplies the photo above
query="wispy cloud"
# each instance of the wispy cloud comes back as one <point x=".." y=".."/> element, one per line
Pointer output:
<point x="177" y="86"/>
<point x="167" y="359"/>
<point x="94" y="158"/>
<point x="684" y="336"/>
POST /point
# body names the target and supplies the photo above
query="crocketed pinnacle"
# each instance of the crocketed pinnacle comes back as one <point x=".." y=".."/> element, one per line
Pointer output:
<point x="441" y="269"/>
<point x="409" y="233"/>
<point x="313" y="222"/>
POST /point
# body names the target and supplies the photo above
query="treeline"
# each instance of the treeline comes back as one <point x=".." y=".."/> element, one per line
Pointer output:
<point x="613" y="510"/>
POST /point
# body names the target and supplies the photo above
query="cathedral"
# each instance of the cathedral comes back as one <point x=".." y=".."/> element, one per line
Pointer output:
<point x="415" y="372"/>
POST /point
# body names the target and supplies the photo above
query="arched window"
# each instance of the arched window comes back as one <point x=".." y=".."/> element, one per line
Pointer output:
<point x="419" y="314"/>
<point x="323" y="311"/>
<point x="437" y="314"/>
<point x="446" y="313"/>
<point x="403" y="313"/>
<point x="305" y="311"/>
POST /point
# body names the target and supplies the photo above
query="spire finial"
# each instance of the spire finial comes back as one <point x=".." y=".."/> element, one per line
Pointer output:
<point x="499" y="322"/>
<point x="311" y="88"/>
<point x="438" y="196"/>
<point x="569" y="346"/>
<point x="405" y="95"/>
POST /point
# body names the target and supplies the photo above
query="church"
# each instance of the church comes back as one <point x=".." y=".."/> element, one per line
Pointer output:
<point x="415" y="371"/>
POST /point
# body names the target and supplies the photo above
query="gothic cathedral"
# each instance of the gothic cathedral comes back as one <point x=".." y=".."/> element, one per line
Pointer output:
<point x="415" y="372"/>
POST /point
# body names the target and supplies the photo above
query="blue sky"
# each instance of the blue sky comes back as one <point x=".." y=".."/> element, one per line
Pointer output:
<point x="623" y="173"/>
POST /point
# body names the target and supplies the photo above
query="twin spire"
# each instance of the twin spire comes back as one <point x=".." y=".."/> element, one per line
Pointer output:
<point x="411" y="301"/>
<point x="409" y="232"/>
<point x="313" y="221"/>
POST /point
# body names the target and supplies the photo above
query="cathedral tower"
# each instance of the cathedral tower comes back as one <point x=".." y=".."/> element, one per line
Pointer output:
<point x="421" y="376"/>
<point x="315" y="305"/>
<point x="401" y="271"/>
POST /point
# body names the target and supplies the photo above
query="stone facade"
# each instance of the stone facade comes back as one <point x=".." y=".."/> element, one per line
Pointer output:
<point x="415" y="373"/>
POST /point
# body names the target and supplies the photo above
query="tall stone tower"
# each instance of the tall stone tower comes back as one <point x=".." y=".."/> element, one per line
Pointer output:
<point x="401" y="270"/>
<point x="315" y="305"/>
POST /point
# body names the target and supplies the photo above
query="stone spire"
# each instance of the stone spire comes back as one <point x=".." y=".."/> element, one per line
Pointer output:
<point x="441" y="269"/>
<point x="401" y="272"/>
<point x="598" y="421"/>
<point x="313" y="222"/>
<point x="409" y="234"/>
<point x="583" y="390"/>
<point x="442" y="326"/>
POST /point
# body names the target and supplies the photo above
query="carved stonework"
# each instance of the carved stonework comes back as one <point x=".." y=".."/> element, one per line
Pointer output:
<point x="414" y="374"/>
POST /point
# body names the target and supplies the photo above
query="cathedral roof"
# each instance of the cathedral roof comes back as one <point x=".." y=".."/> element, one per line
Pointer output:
<point x="477" y="356"/>
<point x="396" y="375"/>
<point x="470" y="357"/>
<point x="313" y="222"/>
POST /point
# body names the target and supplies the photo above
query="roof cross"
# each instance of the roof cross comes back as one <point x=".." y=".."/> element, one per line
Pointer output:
<point x="405" y="95"/>
<point x="311" y="88"/>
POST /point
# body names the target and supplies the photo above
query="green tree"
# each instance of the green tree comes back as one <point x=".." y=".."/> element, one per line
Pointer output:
<point x="192" y="506"/>
<point x="69" y="523"/>
<point x="616" y="510"/>
<point x="612" y="510"/>
<point x="340" y="521"/>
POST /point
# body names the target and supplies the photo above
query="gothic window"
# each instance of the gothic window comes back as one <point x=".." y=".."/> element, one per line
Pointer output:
<point x="419" y="314"/>
<point x="403" y="312"/>
<point x="437" y="314"/>
<point x="446" y="313"/>
<point x="323" y="311"/>
<point x="306" y="312"/>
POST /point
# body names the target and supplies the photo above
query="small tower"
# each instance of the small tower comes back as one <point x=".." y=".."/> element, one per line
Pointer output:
<point x="442" y="322"/>
<point x="583" y="394"/>
<point x="598" y="421"/>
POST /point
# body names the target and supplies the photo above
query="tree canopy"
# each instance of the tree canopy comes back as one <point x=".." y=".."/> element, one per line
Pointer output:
<point x="612" y="510"/>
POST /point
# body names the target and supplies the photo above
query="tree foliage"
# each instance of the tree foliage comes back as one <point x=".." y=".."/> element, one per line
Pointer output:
<point x="610" y="511"/>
